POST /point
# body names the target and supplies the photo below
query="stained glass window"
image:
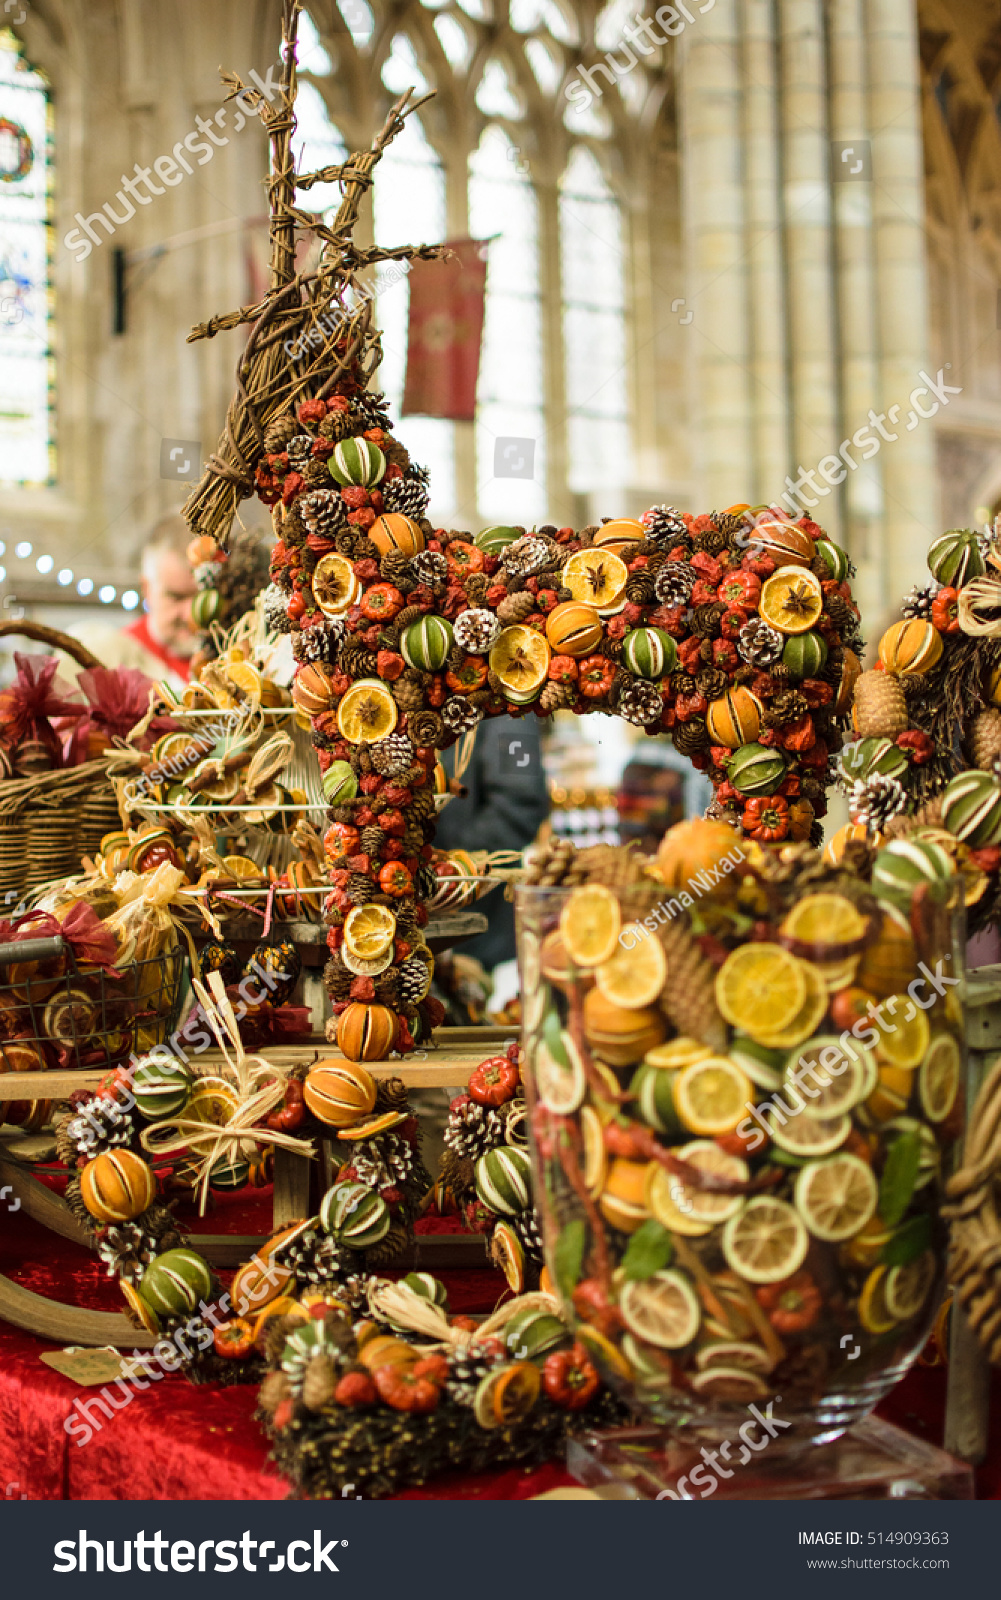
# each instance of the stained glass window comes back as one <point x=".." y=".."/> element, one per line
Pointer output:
<point x="26" y="432"/>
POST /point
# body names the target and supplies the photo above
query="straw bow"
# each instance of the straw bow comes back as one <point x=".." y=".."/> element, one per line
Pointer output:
<point x="260" y="1086"/>
<point x="406" y="1309"/>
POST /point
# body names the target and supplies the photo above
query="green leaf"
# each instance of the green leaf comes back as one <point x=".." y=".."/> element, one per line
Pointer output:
<point x="649" y="1250"/>
<point x="568" y="1262"/>
<point x="908" y="1242"/>
<point x="899" y="1177"/>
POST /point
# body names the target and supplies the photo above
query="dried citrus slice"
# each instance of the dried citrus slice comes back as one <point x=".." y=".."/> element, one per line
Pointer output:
<point x="369" y="931"/>
<point x="507" y="1254"/>
<point x="891" y="1093"/>
<point x="560" y="1081"/>
<point x="213" y="1101"/>
<point x="245" y="677"/>
<point x="836" y="1197"/>
<point x="760" y="988"/>
<point x="824" y="919"/>
<point x="904" y="1032"/>
<point x="366" y="969"/>
<point x="507" y="1394"/>
<point x="766" y="1241"/>
<point x="680" y="1052"/>
<point x="704" y="1205"/>
<point x="367" y="712"/>
<point x="791" y="599"/>
<point x="669" y="1201"/>
<point x="710" y="1096"/>
<point x="597" y="577"/>
<point x="730" y="1383"/>
<point x="605" y="1355"/>
<point x="664" y="1310"/>
<point x="520" y="658"/>
<point x="873" y="1312"/>
<point x="595" y="1164"/>
<point x="637" y="972"/>
<point x="369" y="1127"/>
<point x="243" y="870"/>
<point x="734" y="1353"/>
<point x="908" y="1287"/>
<point x="590" y="924"/>
<point x="833" y="1075"/>
<point x="808" y="1017"/>
<point x="803" y="1134"/>
<point x="939" y="1077"/>
<point x="760" y="1062"/>
<point x="867" y="1247"/>
<point x="335" y="586"/>
<point x="143" y="1314"/>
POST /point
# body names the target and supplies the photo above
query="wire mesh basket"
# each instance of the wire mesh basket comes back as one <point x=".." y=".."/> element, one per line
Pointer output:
<point x="56" y="1013"/>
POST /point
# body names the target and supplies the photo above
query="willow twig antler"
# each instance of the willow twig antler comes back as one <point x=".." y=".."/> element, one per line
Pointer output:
<point x="311" y="329"/>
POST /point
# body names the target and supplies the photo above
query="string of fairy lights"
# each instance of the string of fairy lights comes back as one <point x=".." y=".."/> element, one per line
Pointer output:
<point x="21" y="553"/>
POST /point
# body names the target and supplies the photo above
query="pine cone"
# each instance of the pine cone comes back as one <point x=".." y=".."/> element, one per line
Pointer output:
<point x="690" y="737"/>
<point x="526" y="1226"/>
<point x="319" y="1383"/>
<point x="547" y="864"/>
<point x="336" y="425"/>
<point x="476" y="631"/>
<point x="387" y="989"/>
<point x="426" y="729"/>
<point x="640" y="702"/>
<point x="640" y="588"/>
<point x="555" y="696"/>
<point x="407" y="495"/>
<point x="278" y="434"/>
<point x="759" y="643"/>
<point x="393" y="755"/>
<point x="839" y="612"/>
<point x="390" y="1248"/>
<point x="472" y="1129"/>
<point x="880" y="707"/>
<point x="316" y="474"/>
<point x="359" y="888"/>
<point x="323" y="512"/>
<point x="514" y="608"/>
<point x="712" y="683"/>
<point x="391" y="1095"/>
<point x="689" y="995"/>
<point x="458" y="715"/>
<point x="674" y="583"/>
<point x="985" y="737"/>
<point x="430" y="568"/>
<point x="876" y="800"/>
<point x="457" y="1172"/>
<point x="919" y="601"/>
<point x="785" y="708"/>
<point x="477" y="585"/>
<point x="395" y="568"/>
<point x="665" y="525"/>
<point x="706" y="620"/>
<point x="408" y="694"/>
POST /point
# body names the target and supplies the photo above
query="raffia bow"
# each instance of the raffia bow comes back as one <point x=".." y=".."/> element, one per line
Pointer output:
<point x="259" y="1084"/>
<point x="406" y="1309"/>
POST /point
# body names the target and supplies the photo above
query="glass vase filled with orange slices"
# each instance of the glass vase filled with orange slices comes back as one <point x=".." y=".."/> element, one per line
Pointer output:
<point x="745" y="1069"/>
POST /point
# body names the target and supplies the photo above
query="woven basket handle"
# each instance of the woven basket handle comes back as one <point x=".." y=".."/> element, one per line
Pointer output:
<point x="59" y="641"/>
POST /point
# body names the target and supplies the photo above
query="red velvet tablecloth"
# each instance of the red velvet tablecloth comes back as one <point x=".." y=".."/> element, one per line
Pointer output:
<point x="178" y="1441"/>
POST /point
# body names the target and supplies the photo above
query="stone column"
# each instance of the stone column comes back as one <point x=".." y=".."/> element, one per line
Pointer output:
<point x="911" y="515"/>
<point x="856" y="304"/>
<point x="770" y="395"/>
<point x="816" y="426"/>
<point x="713" y="213"/>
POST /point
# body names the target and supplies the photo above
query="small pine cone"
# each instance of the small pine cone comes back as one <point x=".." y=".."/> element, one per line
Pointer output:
<point x="711" y="683"/>
<point x="880" y="707"/>
<point x="459" y="715"/>
<point x="759" y="643"/>
<point x="357" y="659"/>
<point x="359" y="888"/>
<point x="839" y="612"/>
<point x="395" y="568"/>
<point x="640" y="588"/>
<point x="387" y="989"/>
<point x="919" y="601"/>
<point x="313" y="644"/>
<point x="712" y="541"/>
<point x="706" y="620"/>
<point x="495" y="683"/>
<point x="640" y="702"/>
<point x="514" y="608"/>
<point x="786" y="707"/>
<point x="407" y="495"/>
<point x="372" y="839"/>
<point x="690" y="737"/>
<point x="276" y="618"/>
<point x="391" y="1095"/>
<point x="456" y="658"/>
<point x="611" y="648"/>
<point x="526" y="556"/>
<point x="985" y="737"/>
<point x="393" y="755"/>
<point x="547" y="864"/>
<point x="682" y="683"/>
<point x="391" y="1248"/>
<point x="343" y="814"/>
<point x="743" y="676"/>
<point x="555" y="696"/>
<point x="336" y="425"/>
<point x="316" y="474"/>
<point x="319" y="1383"/>
<point x="337" y="981"/>
<point x="477" y="585"/>
<point x="476" y="631"/>
<point x="408" y="615"/>
<point x="665" y="525"/>
<point x="345" y="542"/>
<point x="278" y="434"/>
<point x="674" y="583"/>
<point x="430" y="568"/>
<point x="876" y="800"/>
<point x="409" y="695"/>
<point x="526" y="1226"/>
<point x="365" y="550"/>
<point x="929" y="815"/>
<point x="422" y="805"/>
<point x="426" y="729"/>
<point x="458" y="1172"/>
<point x="728" y="523"/>
<point x="396" y="454"/>
<point x="413" y="840"/>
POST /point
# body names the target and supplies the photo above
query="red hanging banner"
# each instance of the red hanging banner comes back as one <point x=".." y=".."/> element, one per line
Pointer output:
<point x="445" y="329"/>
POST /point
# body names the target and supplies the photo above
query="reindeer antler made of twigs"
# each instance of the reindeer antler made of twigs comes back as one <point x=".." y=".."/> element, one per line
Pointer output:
<point x="328" y="300"/>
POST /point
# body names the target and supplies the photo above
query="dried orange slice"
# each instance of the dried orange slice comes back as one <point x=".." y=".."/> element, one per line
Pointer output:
<point x="520" y="659"/>
<point x="373" y="1125"/>
<point x="836" y="1198"/>
<point x="824" y="919"/>
<point x="590" y="925"/>
<point x="507" y="1394"/>
<point x="904" y="1032"/>
<point x="368" y="711"/>
<point x="598" y="578"/>
<point x="369" y="932"/>
<point x="636" y="972"/>
<point x="761" y="988"/>
<point x="766" y="1241"/>
<point x="245" y="677"/>
<point x="792" y="599"/>
<point x="663" y="1309"/>
<point x="213" y="1101"/>
<point x="939" y="1077"/>
<point x="335" y="586"/>
<point x="873" y="1311"/>
<point x="809" y="1016"/>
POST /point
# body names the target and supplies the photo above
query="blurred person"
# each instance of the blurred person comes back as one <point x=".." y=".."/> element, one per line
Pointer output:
<point x="162" y="640"/>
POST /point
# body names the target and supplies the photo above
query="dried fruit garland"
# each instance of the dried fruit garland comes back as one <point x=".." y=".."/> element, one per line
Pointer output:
<point x="926" y="762"/>
<point x="734" y="633"/>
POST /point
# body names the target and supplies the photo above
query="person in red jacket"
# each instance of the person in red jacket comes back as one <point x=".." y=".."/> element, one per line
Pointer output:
<point x="162" y="640"/>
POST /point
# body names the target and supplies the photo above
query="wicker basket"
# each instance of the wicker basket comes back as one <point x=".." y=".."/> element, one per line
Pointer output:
<point x="49" y="821"/>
